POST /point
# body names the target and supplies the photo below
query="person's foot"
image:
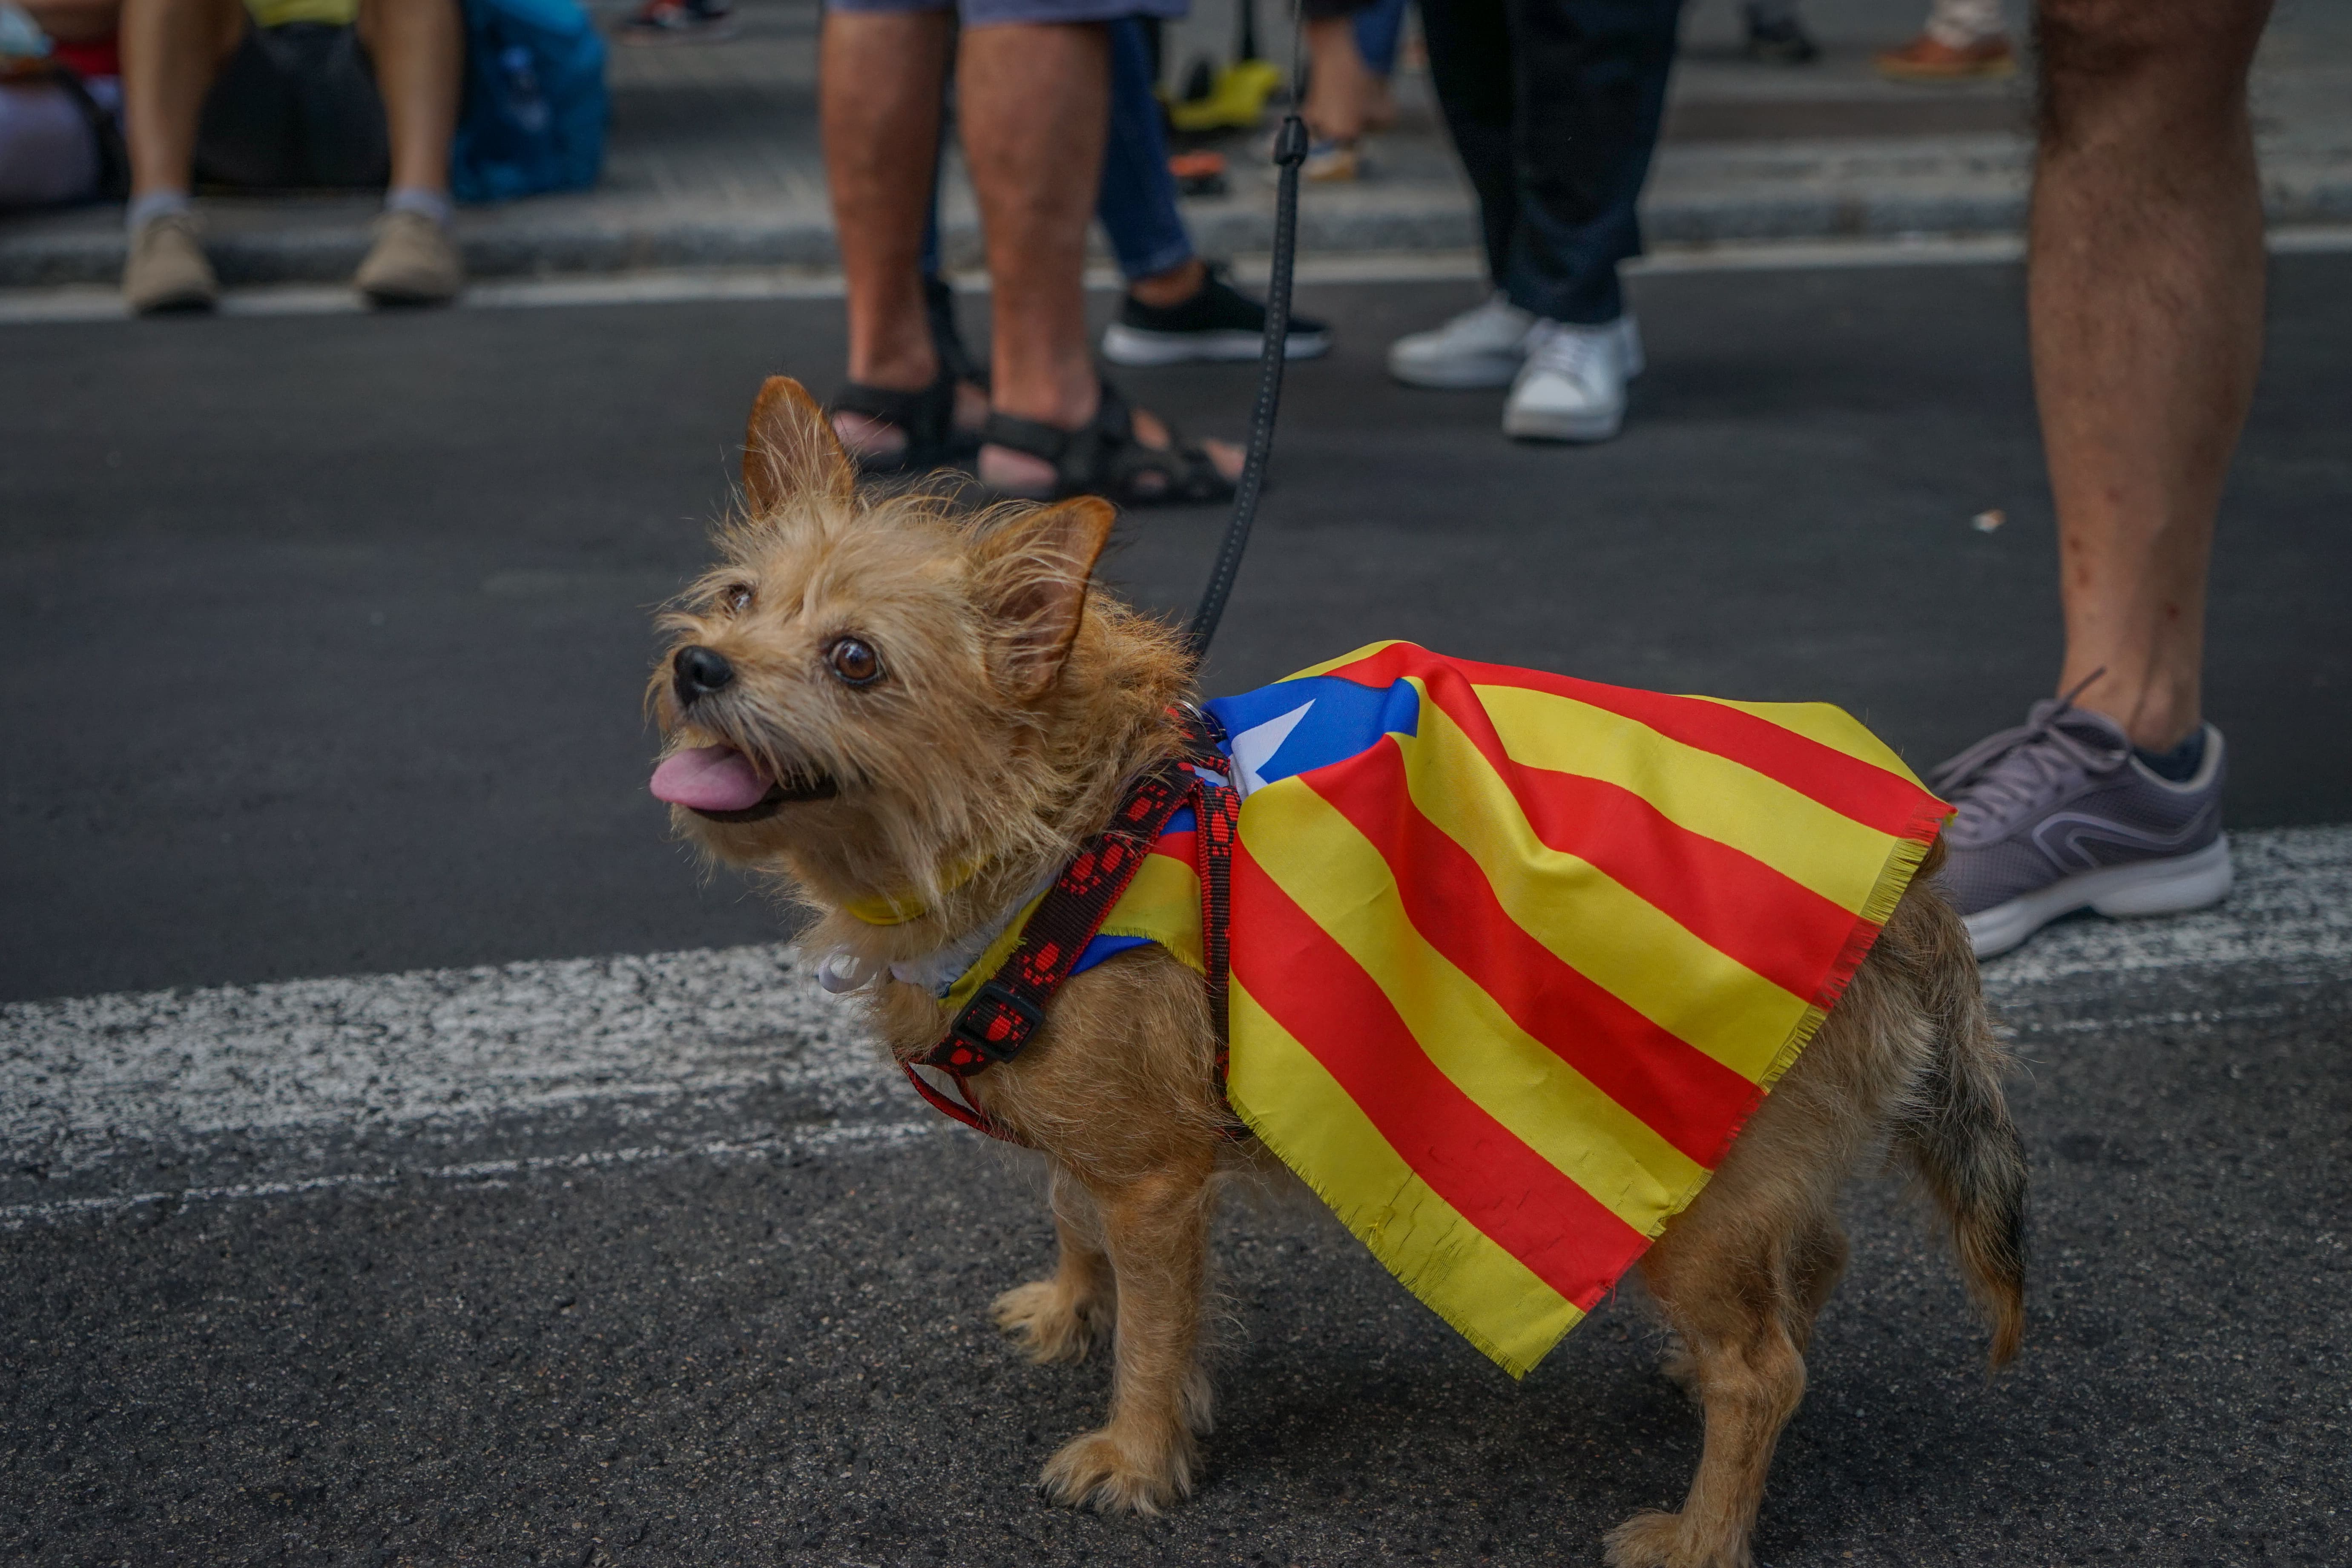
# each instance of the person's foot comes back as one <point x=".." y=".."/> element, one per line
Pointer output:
<point x="679" y="22"/>
<point x="1026" y="475"/>
<point x="1779" y="41"/>
<point x="164" y="267"/>
<point x="879" y="444"/>
<point x="1480" y="347"/>
<point x="412" y="262"/>
<point x="1217" y="322"/>
<point x="1332" y="161"/>
<point x="1927" y="58"/>
<point x="1572" y="386"/>
<point x="2062" y="814"/>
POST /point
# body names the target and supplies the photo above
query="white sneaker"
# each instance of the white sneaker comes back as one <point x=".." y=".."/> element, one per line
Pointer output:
<point x="1572" y="385"/>
<point x="1481" y="347"/>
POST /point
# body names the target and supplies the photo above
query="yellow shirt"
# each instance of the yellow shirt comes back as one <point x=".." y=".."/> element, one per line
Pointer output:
<point x="278" y="12"/>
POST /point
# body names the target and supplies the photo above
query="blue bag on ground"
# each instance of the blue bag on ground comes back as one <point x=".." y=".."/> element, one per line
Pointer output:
<point x="535" y="106"/>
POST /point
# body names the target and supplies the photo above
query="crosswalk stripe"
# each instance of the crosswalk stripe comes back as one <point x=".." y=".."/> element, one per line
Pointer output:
<point x="81" y="1074"/>
<point x="82" y="1077"/>
<point x="2292" y="907"/>
<point x="815" y="1140"/>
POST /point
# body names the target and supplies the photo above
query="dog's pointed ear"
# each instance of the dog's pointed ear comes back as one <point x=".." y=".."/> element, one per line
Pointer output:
<point x="1035" y="579"/>
<point x="790" y="450"/>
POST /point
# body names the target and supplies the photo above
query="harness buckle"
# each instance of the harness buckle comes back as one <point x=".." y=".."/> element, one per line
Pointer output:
<point x="996" y="1023"/>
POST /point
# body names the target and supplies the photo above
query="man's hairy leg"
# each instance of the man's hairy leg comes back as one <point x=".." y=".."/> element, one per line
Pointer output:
<point x="172" y="49"/>
<point x="881" y="78"/>
<point x="1036" y="105"/>
<point x="2144" y="289"/>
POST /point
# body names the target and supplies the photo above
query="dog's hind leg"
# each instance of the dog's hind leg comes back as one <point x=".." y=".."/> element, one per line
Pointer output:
<point x="1739" y="1278"/>
<point x="1155" y="1228"/>
<point x="1749" y="1376"/>
<point x="1061" y="1318"/>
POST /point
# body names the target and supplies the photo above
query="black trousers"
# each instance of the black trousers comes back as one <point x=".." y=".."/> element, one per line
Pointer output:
<point x="295" y="107"/>
<point x="1554" y="107"/>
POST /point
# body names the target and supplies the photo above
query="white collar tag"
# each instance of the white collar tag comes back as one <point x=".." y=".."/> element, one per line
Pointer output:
<point x="841" y="970"/>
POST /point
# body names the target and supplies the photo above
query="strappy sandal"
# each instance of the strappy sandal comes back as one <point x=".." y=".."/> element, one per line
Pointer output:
<point x="927" y="419"/>
<point x="927" y="416"/>
<point x="1102" y="457"/>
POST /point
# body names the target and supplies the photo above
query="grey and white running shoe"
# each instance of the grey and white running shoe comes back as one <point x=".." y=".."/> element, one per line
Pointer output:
<point x="2059" y="815"/>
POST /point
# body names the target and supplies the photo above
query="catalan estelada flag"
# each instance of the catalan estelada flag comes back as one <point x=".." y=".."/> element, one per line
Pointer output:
<point x="1515" y="955"/>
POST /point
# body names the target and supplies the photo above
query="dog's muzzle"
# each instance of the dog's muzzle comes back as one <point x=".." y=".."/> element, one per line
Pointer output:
<point x="697" y="672"/>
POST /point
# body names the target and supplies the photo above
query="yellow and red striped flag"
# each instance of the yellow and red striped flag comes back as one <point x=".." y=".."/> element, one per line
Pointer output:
<point x="1515" y="955"/>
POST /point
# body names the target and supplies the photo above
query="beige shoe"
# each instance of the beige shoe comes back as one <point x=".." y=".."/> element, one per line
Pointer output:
<point x="165" y="268"/>
<point x="1927" y="58"/>
<point x="412" y="262"/>
<point x="1331" y="161"/>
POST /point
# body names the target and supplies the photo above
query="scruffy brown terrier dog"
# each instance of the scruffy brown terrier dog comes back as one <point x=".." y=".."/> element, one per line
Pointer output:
<point x="874" y="698"/>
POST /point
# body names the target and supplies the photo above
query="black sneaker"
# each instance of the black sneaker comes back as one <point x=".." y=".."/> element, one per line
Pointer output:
<point x="1218" y="322"/>
<point x="679" y="22"/>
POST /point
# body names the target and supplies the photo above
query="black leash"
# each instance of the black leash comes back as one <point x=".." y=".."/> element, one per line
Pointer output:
<point x="1289" y="153"/>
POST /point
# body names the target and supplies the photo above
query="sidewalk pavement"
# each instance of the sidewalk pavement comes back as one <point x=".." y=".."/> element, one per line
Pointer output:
<point x="713" y="161"/>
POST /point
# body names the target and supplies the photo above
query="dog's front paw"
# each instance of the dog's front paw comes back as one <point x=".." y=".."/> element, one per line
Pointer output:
<point x="1051" y="1322"/>
<point x="1655" y="1540"/>
<point x="1101" y="1471"/>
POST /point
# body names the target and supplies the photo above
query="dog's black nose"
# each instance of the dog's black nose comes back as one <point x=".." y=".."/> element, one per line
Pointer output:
<point x="699" y="671"/>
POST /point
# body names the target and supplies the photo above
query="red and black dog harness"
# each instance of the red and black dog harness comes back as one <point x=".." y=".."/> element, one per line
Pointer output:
<point x="1010" y="1005"/>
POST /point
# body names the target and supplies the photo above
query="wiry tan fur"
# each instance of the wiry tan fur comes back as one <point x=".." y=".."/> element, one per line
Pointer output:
<point x="1016" y="704"/>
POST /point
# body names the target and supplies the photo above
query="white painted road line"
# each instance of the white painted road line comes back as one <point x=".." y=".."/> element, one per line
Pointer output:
<point x="80" y="1077"/>
<point x="2292" y="906"/>
<point x="481" y="1173"/>
<point x="100" y="303"/>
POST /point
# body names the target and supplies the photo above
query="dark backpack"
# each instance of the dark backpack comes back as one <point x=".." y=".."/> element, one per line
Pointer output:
<point x="535" y="107"/>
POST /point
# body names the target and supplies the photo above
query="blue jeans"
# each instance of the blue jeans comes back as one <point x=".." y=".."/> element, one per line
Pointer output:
<point x="1137" y="202"/>
<point x="1379" y="28"/>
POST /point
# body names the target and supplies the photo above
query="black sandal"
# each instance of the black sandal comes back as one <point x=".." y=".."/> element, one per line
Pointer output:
<point x="927" y="416"/>
<point x="927" y="419"/>
<point x="1102" y="457"/>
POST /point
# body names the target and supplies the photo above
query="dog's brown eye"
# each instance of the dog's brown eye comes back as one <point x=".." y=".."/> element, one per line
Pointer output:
<point x="735" y="597"/>
<point x="854" y="661"/>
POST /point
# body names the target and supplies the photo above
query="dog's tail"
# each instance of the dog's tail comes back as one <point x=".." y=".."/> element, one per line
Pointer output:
<point x="1957" y="1136"/>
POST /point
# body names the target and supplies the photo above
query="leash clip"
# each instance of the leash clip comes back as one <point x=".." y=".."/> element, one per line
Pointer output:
<point x="1290" y="142"/>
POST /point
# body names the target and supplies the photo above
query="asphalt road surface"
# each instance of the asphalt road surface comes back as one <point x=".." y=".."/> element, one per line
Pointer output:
<point x="408" y="1159"/>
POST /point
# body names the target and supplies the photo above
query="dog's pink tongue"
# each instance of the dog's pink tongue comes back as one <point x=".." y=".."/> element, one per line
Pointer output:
<point x="709" y="778"/>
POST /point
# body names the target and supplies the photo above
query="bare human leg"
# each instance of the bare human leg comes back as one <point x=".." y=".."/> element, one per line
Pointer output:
<point x="2145" y="290"/>
<point x="1035" y="103"/>
<point x="1173" y="287"/>
<point x="170" y="51"/>
<point x="881" y="77"/>
<point x="419" y="50"/>
<point x="1340" y="88"/>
